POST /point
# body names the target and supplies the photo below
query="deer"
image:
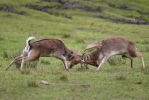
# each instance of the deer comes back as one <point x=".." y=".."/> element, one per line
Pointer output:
<point x="110" y="47"/>
<point x="47" y="48"/>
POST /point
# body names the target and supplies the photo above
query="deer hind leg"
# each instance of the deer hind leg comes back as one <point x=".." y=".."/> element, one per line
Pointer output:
<point x="131" y="59"/>
<point x="102" y="61"/>
<point x="31" y="57"/>
<point x="16" y="59"/>
<point x="139" y="54"/>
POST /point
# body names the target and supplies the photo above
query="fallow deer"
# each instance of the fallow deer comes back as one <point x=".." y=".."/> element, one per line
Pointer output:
<point x="47" y="48"/>
<point x="109" y="47"/>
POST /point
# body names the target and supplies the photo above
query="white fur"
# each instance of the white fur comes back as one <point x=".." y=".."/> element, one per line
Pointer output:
<point x="115" y="52"/>
<point x="100" y="56"/>
<point x="27" y="47"/>
<point x="29" y="39"/>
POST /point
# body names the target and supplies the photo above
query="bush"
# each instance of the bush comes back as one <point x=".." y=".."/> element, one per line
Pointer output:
<point x="66" y="36"/>
<point x="63" y="77"/>
<point x="45" y="62"/>
<point x="115" y="60"/>
<point x="32" y="83"/>
<point x="5" y="54"/>
<point x="121" y="77"/>
<point x="147" y="49"/>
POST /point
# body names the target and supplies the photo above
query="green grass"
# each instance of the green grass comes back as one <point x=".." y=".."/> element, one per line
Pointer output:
<point x="76" y="28"/>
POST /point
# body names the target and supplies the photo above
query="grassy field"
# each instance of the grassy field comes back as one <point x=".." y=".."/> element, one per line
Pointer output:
<point x="77" y="23"/>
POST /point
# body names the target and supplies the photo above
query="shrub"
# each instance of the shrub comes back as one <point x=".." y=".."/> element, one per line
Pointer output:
<point x="63" y="77"/>
<point x="12" y="55"/>
<point x="115" y="60"/>
<point x="5" y="54"/>
<point x="45" y="62"/>
<point x="146" y="71"/>
<point x="120" y="77"/>
<point x="32" y="83"/>
<point x="79" y="40"/>
<point x="145" y="42"/>
<point x="26" y="71"/>
<point x="147" y="49"/>
<point x="66" y="36"/>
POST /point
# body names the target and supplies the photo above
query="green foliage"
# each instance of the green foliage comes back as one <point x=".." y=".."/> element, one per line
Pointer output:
<point x="145" y="42"/>
<point x="116" y="61"/>
<point x="32" y="83"/>
<point x="45" y="62"/>
<point x="66" y="36"/>
<point x="64" y="77"/>
<point x="5" y="54"/>
<point x="121" y="77"/>
<point x="146" y="71"/>
<point x="147" y="49"/>
<point x="26" y="71"/>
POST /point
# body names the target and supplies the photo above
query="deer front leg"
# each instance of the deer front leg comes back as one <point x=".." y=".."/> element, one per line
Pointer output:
<point x="63" y="59"/>
<point x="139" y="54"/>
<point x="102" y="61"/>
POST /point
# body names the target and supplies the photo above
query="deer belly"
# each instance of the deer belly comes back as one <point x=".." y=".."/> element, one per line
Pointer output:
<point x="116" y="52"/>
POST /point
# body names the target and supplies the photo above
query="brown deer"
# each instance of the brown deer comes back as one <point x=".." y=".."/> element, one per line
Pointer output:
<point x="109" y="47"/>
<point x="47" y="48"/>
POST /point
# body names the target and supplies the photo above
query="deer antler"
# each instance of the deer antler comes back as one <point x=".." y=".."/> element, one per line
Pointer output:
<point x="96" y="45"/>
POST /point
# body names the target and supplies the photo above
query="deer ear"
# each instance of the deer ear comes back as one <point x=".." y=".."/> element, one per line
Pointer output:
<point x="94" y="45"/>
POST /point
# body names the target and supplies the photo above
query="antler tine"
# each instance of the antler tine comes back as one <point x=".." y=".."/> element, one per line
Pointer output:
<point x="90" y="46"/>
<point x="94" y="45"/>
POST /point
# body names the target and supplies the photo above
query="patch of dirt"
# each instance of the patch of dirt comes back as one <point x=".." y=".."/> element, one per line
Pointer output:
<point x="136" y="21"/>
<point x="10" y="9"/>
<point x="125" y="7"/>
<point x="62" y="4"/>
<point x="46" y="9"/>
<point x="40" y="8"/>
<point x="65" y="4"/>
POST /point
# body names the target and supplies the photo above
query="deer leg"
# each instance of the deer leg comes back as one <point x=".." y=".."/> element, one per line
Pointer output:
<point x="139" y="54"/>
<point x="131" y="62"/>
<point x="65" y="64"/>
<point x="86" y="66"/>
<point x="102" y="61"/>
<point x="61" y="57"/>
<point x="31" y="57"/>
<point x="127" y="56"/>
<point x="16" y="59"/>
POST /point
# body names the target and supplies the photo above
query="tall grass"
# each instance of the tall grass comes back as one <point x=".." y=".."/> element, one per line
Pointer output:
<point x="32" y="83"/>
<point x="12" y="55"/>
<point x="116" y="60"/>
